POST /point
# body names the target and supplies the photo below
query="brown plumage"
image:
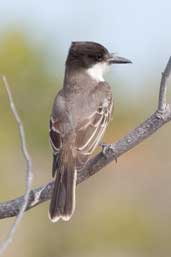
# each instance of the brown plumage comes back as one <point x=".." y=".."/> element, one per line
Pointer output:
<point x="80" y="115"/>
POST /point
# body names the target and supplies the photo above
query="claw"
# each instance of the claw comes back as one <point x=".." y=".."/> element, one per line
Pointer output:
<point x="107" y="147"/>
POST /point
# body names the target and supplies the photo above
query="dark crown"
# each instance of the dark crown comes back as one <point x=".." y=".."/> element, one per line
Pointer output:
<point x="86" y="53"/>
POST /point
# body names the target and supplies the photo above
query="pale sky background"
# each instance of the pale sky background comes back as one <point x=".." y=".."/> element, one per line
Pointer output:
<point x="138" y="30"/>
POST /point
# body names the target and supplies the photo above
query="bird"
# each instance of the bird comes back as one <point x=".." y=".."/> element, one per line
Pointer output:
<point x="80" y="115"/>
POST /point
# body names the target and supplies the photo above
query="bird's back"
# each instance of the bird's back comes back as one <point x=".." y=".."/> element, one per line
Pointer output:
<point x="83" y="102"/>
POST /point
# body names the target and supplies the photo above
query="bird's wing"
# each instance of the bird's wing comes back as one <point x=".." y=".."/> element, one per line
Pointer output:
<point x="55" y="141"/>
<point x="90" y="132"/>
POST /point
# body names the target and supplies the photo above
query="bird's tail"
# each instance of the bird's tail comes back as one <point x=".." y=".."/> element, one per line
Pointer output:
<point x="62" y="204"/>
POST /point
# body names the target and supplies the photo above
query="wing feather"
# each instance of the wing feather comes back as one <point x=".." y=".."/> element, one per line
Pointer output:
<point x="90" y="133"/>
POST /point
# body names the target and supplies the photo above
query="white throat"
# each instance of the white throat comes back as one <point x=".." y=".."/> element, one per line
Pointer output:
<point x="97" y="71"/>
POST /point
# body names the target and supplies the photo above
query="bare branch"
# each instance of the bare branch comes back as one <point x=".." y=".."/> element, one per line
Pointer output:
<point x="133" y="138"/>
<point x="29" y="175"/>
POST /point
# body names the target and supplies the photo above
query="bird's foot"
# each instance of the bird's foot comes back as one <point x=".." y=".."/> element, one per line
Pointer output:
<point x="106" y="148"/>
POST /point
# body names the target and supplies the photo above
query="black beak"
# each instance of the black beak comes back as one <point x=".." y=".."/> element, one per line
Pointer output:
<point x="117" y="59"/>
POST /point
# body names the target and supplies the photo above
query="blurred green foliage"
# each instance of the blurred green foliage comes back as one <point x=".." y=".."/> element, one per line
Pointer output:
<point x="33" y="88"/>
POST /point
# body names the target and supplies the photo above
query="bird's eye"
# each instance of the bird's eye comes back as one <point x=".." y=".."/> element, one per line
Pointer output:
<point x="98" y="57"/>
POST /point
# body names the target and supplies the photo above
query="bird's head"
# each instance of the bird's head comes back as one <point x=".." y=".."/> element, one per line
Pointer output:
<point x="92" y="56"/>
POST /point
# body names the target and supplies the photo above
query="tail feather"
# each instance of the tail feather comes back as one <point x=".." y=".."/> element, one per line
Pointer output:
<point x="70" y="182"/>
<point x="63" y="198"/>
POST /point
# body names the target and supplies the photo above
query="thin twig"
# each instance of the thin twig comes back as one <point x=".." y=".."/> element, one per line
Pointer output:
<point x="163" y="88"/>
<point x="29" y="174"/>
<point x="133" y="138"/>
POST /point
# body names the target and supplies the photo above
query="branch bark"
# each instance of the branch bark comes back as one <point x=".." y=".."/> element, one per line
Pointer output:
<point x="160" y="117"/>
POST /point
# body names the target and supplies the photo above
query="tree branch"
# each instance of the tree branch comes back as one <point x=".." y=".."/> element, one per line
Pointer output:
<point x="113" y="151"/>
<point x="28" y="161"/>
